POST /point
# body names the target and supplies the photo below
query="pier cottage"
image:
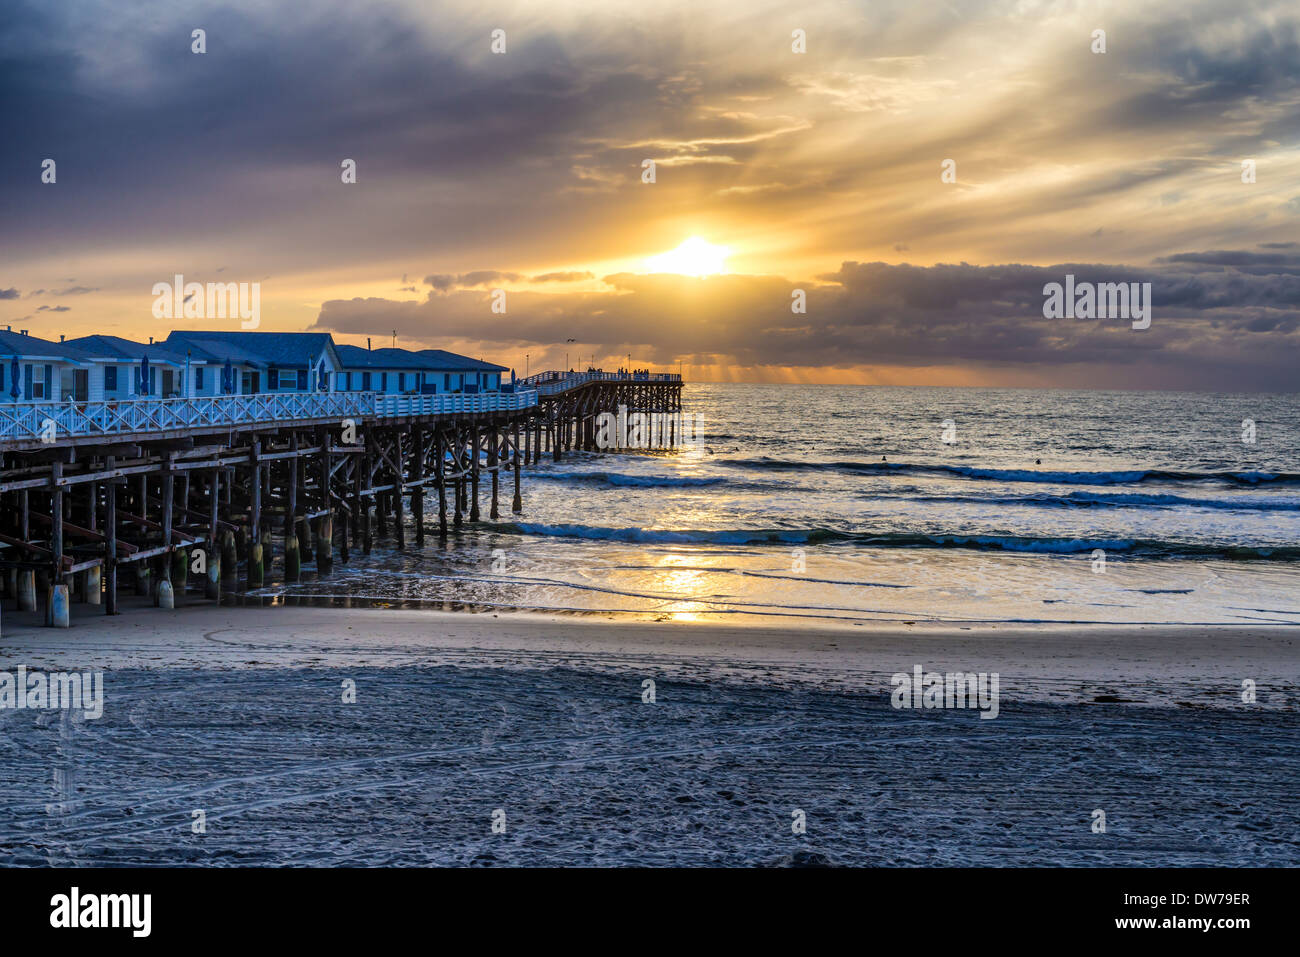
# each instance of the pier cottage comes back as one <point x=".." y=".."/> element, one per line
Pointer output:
<point x="408" y="372"/>
<point x="115" y="366"/>
<point x="262" y="361"/>
<point x="38" y="370"/>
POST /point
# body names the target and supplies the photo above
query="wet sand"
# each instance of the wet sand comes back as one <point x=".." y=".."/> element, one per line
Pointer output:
<point x="1200" y="665"/>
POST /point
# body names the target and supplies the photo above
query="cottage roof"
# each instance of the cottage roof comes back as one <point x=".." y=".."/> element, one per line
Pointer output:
<point x="425" y="360"/>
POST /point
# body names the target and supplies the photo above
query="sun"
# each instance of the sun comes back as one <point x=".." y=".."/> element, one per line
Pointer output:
<point x="694" y="257"/>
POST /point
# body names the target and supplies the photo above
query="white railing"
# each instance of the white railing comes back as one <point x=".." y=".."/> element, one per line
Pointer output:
<point x="52" y="421"/>
<point x="451" y="404"/>
<point x="548" y="383"/>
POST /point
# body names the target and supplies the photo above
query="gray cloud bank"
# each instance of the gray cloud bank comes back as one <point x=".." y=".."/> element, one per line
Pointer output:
<point x="1225" y="319"/>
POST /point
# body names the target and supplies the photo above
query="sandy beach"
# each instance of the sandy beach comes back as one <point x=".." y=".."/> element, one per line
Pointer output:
<point x="542" y="726"/>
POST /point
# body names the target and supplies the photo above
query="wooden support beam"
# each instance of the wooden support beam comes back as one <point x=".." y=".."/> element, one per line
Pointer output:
<point x="56" y="513"/>
<point x="256" y="559"/>
<point x="325" y="524"/>
<point x="399" y="529"/>
<point x="440" y="466"/>
<point x="110" y="544"/>
<point x="417" y="487"/>
<point x="169" y="499"/>
<point x="518" y="504"/>
<point x="493" y="438"/>
<point x="79" y="532"/>
<point x="45" y="553"/>
<point x="212" y="551"/>
<point x="365" y="479"/>
<point x="473" y="509"/>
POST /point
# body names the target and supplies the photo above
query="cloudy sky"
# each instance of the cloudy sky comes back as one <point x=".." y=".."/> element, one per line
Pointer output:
<point x="818" y="171"/>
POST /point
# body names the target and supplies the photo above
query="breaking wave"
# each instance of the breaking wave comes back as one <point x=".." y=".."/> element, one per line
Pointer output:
<point x="621" y="479"/>
<point x="1124" y="500"/>
<point x="1009" y="543"/>
<point x="1120" y="477"/>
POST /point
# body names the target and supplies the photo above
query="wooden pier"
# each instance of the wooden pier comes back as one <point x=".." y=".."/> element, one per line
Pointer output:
<point x="570" y="404"/>
<point x="151" y="495"/>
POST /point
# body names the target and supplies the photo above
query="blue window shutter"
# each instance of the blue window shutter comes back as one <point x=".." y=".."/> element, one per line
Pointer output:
<point x="49" y="382"/>
<point x="302" y="380"/>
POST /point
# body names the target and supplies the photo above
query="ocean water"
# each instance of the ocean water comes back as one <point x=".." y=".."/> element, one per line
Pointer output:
<point x="806" y="503"/>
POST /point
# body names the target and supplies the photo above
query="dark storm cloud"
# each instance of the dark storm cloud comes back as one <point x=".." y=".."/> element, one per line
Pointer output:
<point x="165" y="138"/>
<point x="168" y="141"/>
<point x="1261" y="61"/>
<point x="1207" y="64"/>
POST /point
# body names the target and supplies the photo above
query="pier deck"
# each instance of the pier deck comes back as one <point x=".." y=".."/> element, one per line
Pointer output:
<point x="172" y="488"/>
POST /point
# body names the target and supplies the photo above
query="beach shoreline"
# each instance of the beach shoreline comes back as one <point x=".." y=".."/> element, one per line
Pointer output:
<point x="1199" y="666"/>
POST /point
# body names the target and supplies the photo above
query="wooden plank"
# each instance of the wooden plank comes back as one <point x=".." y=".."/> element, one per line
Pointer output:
<point x="80" y="532"/>
<point x="34" y="549"/>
